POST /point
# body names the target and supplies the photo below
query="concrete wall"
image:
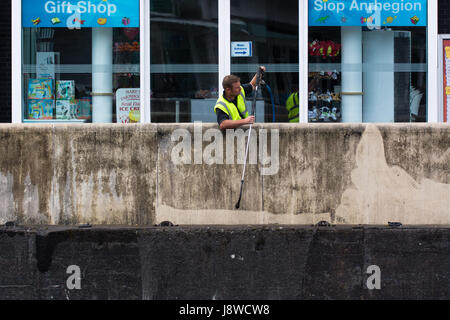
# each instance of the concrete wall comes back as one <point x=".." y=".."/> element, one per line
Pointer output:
<point x="126" y="174"/>
<point x="222" y="263"/>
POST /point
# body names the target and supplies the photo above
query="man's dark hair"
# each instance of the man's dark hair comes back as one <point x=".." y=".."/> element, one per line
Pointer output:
<point x="229" y="80"/>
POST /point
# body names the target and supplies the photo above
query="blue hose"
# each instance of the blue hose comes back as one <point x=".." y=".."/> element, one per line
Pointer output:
<point x="273" y="103"/>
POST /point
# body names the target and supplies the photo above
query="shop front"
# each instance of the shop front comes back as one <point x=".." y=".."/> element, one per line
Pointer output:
<point x="128" y="61"/>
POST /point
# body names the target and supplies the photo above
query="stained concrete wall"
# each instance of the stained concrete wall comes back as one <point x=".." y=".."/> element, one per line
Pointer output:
<point x="125" y="174"/>
<point x="222" y="263"/>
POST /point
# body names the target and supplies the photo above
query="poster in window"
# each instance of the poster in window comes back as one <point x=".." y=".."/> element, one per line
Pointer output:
<point x="446" y="81"/>
<point x="128" y="103"/>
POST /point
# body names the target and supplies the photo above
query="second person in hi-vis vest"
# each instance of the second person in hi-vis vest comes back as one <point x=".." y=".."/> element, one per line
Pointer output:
<point x="292" y="107"/>
<point x="230" y="108"/>
<point x="293" y="102"/>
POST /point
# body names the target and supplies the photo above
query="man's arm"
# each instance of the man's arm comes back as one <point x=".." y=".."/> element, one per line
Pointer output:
<point x="225" y="123"/>
<point x="253" y="82"/>
<point x="233" y="124"/>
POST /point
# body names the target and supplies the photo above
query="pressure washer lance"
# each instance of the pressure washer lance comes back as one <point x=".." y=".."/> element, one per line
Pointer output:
<point x="259" y="75"/>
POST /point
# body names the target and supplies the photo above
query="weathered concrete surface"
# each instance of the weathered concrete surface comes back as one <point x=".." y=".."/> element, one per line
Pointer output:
<point x="72" y="174"/>
<point x="225" y="262"/>
<point x="126" y="174"/>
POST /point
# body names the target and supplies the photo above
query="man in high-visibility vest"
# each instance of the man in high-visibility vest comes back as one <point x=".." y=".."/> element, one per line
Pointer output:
<point x="230" y="108"/>
<point x="292" y="107"/>
<point x="292" y="102"/>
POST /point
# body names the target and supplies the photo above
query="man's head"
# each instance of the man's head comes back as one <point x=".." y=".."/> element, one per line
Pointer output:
<point x="232" y="85"/>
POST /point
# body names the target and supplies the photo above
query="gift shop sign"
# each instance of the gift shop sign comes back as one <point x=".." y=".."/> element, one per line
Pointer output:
<point x="372" y="14"/>
<point x="128" y="106"/>
<point x="80" y="14"/>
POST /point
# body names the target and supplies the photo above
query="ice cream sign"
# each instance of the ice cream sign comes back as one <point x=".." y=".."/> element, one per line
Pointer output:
<point x="128" y="105"/>
<point x="80" y="14"/>
<point x="372" y="14"/>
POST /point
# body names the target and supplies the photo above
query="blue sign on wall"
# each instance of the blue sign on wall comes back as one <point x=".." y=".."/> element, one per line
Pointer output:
<point x="369" y="13"/>
<point x="241" y="49"/>
<point x="80" y="14"/>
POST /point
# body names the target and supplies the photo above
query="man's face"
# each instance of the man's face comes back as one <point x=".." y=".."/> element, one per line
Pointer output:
<point x="235" y="90"/>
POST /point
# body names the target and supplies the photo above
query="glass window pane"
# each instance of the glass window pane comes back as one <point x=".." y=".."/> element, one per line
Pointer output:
<point x="81" y="62"/>
<point x="272" y="29"/>
<point x="184" y="60"/>
<point x="367" y="61"/>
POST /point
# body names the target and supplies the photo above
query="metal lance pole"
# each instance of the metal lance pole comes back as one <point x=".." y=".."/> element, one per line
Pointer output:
<point x="258" y="82"/>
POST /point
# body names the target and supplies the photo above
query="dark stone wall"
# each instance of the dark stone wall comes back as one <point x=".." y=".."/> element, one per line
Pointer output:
<point x="276" y="262"/>
<point x="5" y="61"/>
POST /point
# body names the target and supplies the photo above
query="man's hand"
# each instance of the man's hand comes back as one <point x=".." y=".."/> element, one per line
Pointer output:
<point x="253" y="82"/>
<point x="250" y="120"/>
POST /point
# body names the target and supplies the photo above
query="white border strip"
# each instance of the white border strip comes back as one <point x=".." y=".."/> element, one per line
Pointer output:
<point x="145" y="60"/>
<point x="147" y="71"/>
<point x="303" y="59"/>
<point x="432" y="85"/>
<point x="224" y="45"/>
<point x="16" y="61"/>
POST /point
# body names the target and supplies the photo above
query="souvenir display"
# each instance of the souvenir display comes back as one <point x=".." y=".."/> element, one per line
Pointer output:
<point x="84" y="108"/>
<point x="65" y="90"/>
<point x="40" y="109"/>
<point x="325" y="97"/>
<point x="66" y="109"/>
<point x="324" y="49"/>
<point x="40" y="89"/>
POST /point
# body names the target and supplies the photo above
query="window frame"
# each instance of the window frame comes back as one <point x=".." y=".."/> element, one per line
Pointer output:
<point x="224" y="7"/>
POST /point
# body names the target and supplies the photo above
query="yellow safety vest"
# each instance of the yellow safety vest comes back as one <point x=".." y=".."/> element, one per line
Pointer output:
<point x="292" y="107"/>
<point x="230" y="109"/>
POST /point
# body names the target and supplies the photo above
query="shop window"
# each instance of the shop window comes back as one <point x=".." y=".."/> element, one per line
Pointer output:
<point x="81" y="62"/>
<point x="270" y="29"/>
<point x="162" y="6"/>
<point x="367" y="61"/>
<point x="184" y="61"/>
